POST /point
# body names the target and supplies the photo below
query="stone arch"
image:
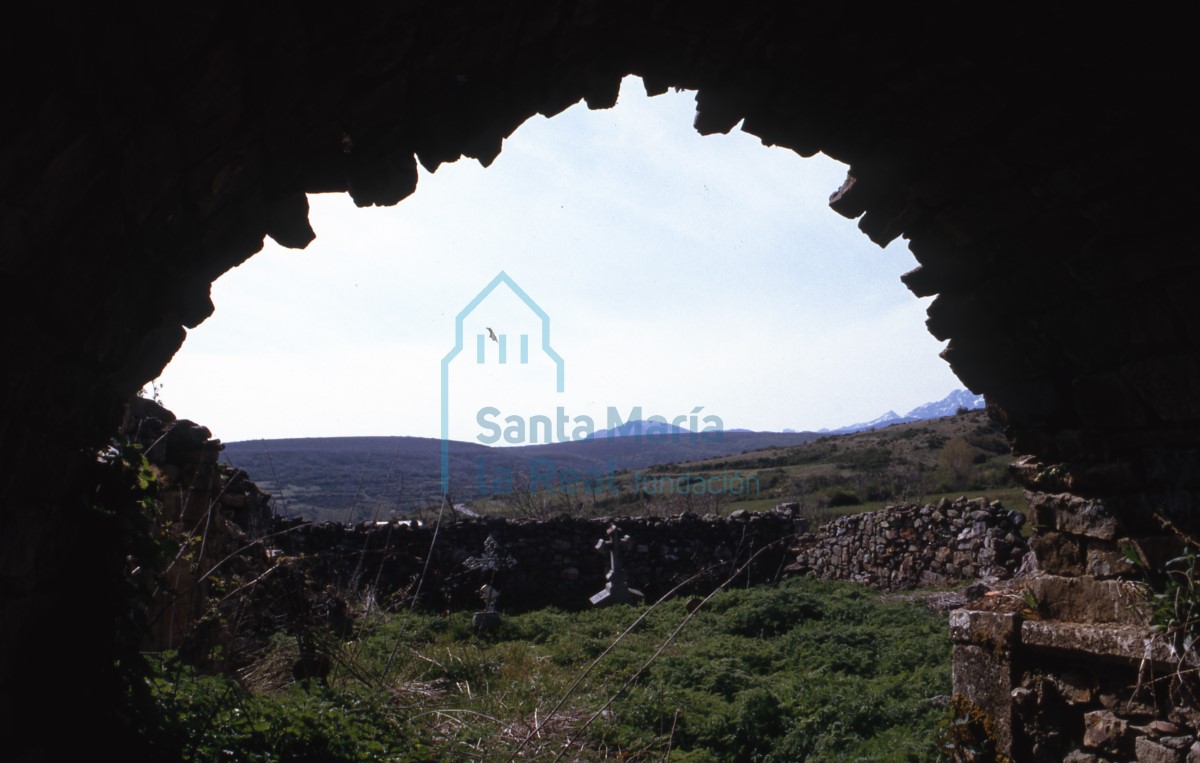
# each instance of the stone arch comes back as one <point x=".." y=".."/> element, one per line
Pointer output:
<point x="1044" y="186"/>
<point x="177" y="173"/>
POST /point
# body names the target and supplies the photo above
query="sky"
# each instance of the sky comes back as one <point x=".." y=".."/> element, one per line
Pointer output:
<point x="676" y="272"/>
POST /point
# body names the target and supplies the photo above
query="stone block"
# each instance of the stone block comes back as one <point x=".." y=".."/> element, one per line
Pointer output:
<point x="1180" y="743"/>
<point x="1083" y="517"/>
<point x="997" y="629"/>
<point x="1126" y="642"/>
<point x="1087" y="600"/>
<point x="1058" y="553"/>
<point x="1149" y="751"/>
<point x="1166" y="727"/>
<point x="1041" y="505"/>
<point x="1193" y="755"/>
<point x="1102" y="730"/>
<point x="1103" y="563"/>
<point x="1074" y="688"/>
<point x="978" y="673"/>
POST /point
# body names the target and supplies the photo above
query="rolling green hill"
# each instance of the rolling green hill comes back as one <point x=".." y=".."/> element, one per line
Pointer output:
<point x="357" y="478"/>
<point x="361" y="478"/>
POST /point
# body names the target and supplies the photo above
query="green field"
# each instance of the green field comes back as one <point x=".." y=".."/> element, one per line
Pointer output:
<point x="805" y="670"/>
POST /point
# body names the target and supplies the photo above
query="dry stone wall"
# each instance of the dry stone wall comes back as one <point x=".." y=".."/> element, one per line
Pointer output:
<point x="540" y="563"/>
<point x="555" y="562"/>
<point x="908" y="546"/>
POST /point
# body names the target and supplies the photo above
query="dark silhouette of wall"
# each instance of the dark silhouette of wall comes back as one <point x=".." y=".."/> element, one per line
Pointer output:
<point x="1042" y="167"/>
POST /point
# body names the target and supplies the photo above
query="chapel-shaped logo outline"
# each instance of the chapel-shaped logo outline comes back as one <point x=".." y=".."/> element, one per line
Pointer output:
<point x="501" y="278"/>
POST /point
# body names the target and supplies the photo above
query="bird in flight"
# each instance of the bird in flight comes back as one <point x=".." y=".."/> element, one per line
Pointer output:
<point x="492" y="334"/>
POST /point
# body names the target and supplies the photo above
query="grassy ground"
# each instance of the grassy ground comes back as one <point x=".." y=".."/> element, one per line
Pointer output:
<point x="806" y="670"/>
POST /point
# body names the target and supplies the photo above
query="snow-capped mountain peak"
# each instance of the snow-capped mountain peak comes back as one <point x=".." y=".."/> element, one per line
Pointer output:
<point x="947" y="406"/>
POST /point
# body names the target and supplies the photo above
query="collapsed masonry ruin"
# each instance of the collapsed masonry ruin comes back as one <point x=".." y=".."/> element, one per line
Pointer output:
<point x="1043" y="175"/>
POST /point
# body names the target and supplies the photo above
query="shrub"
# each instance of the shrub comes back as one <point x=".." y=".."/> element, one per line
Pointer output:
<point x="843" y="498"/>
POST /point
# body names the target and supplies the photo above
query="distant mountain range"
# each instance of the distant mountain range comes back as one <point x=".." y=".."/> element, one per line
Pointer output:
<point x="356" y="478"/>
<point x="639" y="427"/>
<point x="947" y="406"/>
<point x="346" y="478"/>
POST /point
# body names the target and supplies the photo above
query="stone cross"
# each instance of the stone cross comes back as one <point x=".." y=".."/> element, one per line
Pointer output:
<point x="616" y="590"/>
<point x="493" y="560"/>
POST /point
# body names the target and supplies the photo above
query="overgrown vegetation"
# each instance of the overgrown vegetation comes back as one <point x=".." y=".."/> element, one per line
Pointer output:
<point x="1175" y="606"/>
<point x="805" y="670"/>
<point x="1173" y="592"/>
<point x="1172" y="598"/>
<point x="130" y="549"/>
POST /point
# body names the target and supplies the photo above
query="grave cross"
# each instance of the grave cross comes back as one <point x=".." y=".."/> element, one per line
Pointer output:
<point x="616" y="590"/>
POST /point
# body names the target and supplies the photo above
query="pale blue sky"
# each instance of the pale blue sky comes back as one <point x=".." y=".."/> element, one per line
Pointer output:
<point x="677" y="271"/>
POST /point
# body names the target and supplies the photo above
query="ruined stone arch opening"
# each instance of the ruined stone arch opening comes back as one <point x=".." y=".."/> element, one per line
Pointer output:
<point x="641" y="238"/>
<point x="1046" y="184"/>
<point x="946" y="141"/>
<point x="989" y="160"/>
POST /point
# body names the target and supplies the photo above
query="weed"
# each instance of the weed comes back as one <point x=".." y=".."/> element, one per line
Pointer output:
<point x="1175" y="608"/>
<point x="804" y="669"/>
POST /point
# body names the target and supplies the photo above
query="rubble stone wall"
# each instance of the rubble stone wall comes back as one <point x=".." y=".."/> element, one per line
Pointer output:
<point x="539" y="563"/>
<point x="555" y="562"/>
<point x="908" y="546"/>
<point x="1066" y="662"/>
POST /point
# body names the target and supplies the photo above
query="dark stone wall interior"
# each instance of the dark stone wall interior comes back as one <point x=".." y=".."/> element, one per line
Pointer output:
<point x="1042" y="166"/>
